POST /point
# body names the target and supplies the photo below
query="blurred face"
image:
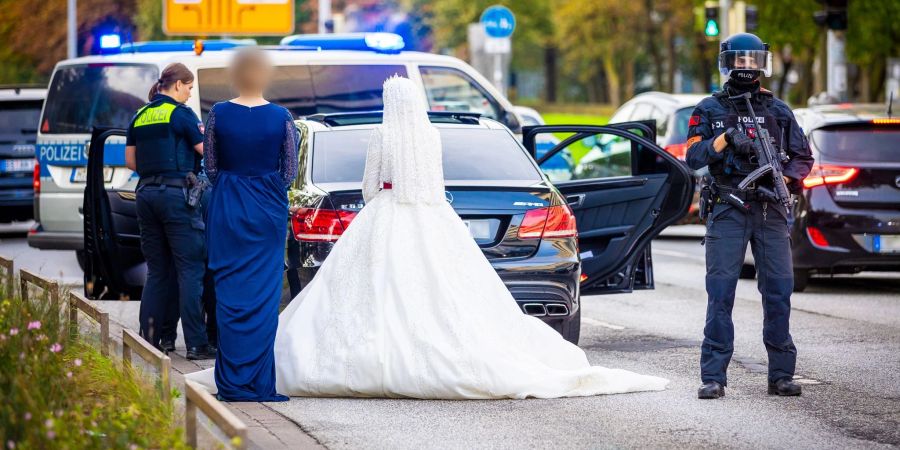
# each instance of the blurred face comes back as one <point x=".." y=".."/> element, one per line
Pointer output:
<point x="252" y="74"/>
<point x="745" y="62"/>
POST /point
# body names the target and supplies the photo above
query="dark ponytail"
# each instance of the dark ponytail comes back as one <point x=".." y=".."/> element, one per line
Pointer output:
<point x="172" y="73"/>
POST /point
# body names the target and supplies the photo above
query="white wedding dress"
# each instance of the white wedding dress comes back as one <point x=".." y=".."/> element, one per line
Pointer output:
<point x="406" y="304"/>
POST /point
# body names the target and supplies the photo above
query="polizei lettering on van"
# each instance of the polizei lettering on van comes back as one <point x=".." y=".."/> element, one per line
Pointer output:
<point x="62" y="154"/>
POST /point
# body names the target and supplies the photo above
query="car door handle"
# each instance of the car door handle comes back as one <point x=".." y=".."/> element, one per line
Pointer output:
<point x="575" y="200"/>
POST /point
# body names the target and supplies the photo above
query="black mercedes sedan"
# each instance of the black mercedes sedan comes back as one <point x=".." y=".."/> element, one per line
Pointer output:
<point x="848" y="217"/>
<point x="549" y="242"/>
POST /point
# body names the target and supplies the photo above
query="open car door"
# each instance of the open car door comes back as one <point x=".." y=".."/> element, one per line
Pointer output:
<point x="114" y="265"/>
<point x="624" y="190"/>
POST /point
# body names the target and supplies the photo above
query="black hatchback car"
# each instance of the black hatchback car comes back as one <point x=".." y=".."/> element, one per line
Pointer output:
<point x="848" y="217"/>
<point x="520" y="220"/>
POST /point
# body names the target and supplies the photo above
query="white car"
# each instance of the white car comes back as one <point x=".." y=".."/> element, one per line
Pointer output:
<point x="313" y="75"/>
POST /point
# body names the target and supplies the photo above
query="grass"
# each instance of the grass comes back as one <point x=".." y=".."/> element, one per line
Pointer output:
<point x="575" y="119"/>
<point x="62" y="393"/>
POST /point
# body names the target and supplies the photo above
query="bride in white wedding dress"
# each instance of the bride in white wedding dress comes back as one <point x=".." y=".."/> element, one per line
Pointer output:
<point x="406" y="304"/>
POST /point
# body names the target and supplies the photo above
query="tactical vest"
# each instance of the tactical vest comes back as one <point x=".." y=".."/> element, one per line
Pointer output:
<point x="159" y="148"/>
<point x="733" y="168"/>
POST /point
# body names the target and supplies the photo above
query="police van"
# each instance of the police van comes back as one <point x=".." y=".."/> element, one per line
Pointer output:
<point x="313" y="74"/>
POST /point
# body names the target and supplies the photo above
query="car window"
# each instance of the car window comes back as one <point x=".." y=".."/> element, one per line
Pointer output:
<point x="19" y="121"/>
<point x="679" y="126"/>
<point x="858" y="144"/>
<point x="662" y="120"/>
<point x="84" y="96"/>
<point x="307" y="90"/>
<point x="601" y="155"/>
<point x="450" y="89"/>
<point x="340" y="156"/>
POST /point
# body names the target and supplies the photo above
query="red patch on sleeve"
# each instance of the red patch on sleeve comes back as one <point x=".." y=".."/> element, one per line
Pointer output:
<point x="695" y="120"/>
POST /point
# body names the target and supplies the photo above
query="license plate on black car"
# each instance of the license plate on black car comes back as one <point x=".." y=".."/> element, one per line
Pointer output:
<point x="479" y="229"/>
<point x="17" y="165"/>
<point x="886" y="243"/>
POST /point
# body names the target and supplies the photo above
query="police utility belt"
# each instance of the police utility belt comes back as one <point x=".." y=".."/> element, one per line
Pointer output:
<point x="192" y="186"/>
<point x="713" y="193"/>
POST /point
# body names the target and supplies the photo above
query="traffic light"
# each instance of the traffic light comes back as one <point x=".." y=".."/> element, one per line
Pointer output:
<point x="750" y="16"/>
<point x="834" y="16"/>
<point x="711" y="28"/>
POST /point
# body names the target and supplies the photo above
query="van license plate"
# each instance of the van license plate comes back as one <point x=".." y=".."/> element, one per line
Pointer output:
<point x="479" y="229"/>
<point x="17" y="165"/>
<point x="886" y="243"/>
<point x="79" y="175"/>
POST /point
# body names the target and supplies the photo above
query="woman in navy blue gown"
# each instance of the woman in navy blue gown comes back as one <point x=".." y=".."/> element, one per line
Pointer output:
<point x="251" y="159"/>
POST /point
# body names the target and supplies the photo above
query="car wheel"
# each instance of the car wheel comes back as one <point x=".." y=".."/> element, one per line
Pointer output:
<point x="801" y="279"/>
<point x="571" y="329"/>
<point x="748" y="272"/>
<point x="81" y="256"/>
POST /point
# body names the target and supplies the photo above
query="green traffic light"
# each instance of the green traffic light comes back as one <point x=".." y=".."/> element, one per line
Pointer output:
<point x="712" y="28"/>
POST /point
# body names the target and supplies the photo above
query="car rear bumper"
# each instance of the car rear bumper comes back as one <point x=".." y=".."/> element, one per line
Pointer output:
<point x="46" y="240"/>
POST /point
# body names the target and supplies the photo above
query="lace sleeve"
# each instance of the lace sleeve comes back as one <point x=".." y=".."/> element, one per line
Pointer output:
<point x="289" y="151"/>
<point x="371" y="183"/>
<point x="210" y="162"/>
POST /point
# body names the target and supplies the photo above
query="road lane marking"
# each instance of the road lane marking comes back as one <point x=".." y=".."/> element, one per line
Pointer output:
<point x="658" y="251"/>
<point x="601" y="323"/>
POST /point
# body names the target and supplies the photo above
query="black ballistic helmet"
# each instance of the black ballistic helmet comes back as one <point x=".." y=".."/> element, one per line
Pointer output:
<point x="743" y="57"/>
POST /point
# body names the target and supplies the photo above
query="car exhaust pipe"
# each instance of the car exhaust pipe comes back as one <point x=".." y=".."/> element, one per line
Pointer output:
<point x="557" y="309"/>
<point x="535" y="309"/>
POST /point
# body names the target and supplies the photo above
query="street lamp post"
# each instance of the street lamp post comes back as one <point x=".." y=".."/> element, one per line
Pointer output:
<point x="72" y="32"/>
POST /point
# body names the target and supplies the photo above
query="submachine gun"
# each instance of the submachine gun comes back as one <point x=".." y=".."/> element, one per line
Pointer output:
<point x="769" y="158"/>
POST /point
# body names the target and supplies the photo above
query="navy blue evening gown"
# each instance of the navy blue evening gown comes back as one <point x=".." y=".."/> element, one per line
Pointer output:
<point x="250" y="156"/>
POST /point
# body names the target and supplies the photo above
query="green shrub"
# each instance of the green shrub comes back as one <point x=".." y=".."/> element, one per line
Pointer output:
<point x="62" y="393"/>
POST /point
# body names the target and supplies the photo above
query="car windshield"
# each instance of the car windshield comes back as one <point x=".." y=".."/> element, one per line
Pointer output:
<point x="309" y="89"/>
<point x="85" y="96"/>
<point x="468" y="154"/>
<point x="19" y="121"/>
<point x="679" y="125"/>
<point x="858" y="144"/>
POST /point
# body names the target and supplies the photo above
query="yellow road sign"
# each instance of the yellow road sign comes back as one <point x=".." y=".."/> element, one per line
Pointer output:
<point x="232" y="17"/>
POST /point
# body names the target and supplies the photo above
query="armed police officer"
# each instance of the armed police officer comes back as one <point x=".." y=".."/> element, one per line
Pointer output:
<point x="757" y="156"/>
<point x="164" y="146"/>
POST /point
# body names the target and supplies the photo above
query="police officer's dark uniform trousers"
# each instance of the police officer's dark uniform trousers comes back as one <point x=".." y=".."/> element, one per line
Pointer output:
<point x="172" y="233"/>
<point x="766" y="227"/>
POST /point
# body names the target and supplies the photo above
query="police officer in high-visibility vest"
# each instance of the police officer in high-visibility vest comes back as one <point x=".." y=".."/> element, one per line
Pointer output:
<point x="723" y="135"/>
<point x="164" y="146"/>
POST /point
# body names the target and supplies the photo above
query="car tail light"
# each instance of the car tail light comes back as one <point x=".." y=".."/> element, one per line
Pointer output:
<point x="552" y="222"/>
<point x="677" y="150"/>
<point x="829" y="174"/>
<point x="36" y="178"/>
<point x="320" y="225"/>
<point x="816" y="236"/>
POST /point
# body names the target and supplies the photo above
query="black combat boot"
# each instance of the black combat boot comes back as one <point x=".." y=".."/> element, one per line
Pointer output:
<point x="711" y="390"/>
<point x="167" y="346"/>
<point x="785" y="387"/>
<point x="202" y="352"/>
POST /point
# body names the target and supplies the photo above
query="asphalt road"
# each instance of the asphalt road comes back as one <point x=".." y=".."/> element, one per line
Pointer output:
<point x="847" y="330"/>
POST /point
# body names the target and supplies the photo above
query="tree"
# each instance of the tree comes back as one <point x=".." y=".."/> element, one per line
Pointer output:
<point x="34" y="33"/>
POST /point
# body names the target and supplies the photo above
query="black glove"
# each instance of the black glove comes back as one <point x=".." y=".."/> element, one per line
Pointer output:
<point x="740" y="142"/>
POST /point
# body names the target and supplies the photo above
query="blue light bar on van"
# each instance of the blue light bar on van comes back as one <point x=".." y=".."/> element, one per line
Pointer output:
<point x="108" y="41"/>
<point x="184" y="46"/>
<point x="378" y="42"/>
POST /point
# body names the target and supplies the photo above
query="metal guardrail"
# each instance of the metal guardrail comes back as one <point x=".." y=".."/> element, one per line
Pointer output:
<point x="8" y="264"/>
<point x="51" y="287"/>
<point x="78" y="302"/>
<point x="196" y="397"/>
<point x="131" y="341"/>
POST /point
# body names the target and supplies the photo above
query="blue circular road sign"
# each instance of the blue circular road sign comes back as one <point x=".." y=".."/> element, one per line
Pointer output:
<point x="499" y="21"/>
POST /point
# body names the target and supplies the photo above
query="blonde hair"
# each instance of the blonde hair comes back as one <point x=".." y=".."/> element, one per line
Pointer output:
<point x="250" y="69"/>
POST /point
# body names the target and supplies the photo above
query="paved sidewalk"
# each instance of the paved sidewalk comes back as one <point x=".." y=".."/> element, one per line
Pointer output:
<point x="266" y="428"/>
